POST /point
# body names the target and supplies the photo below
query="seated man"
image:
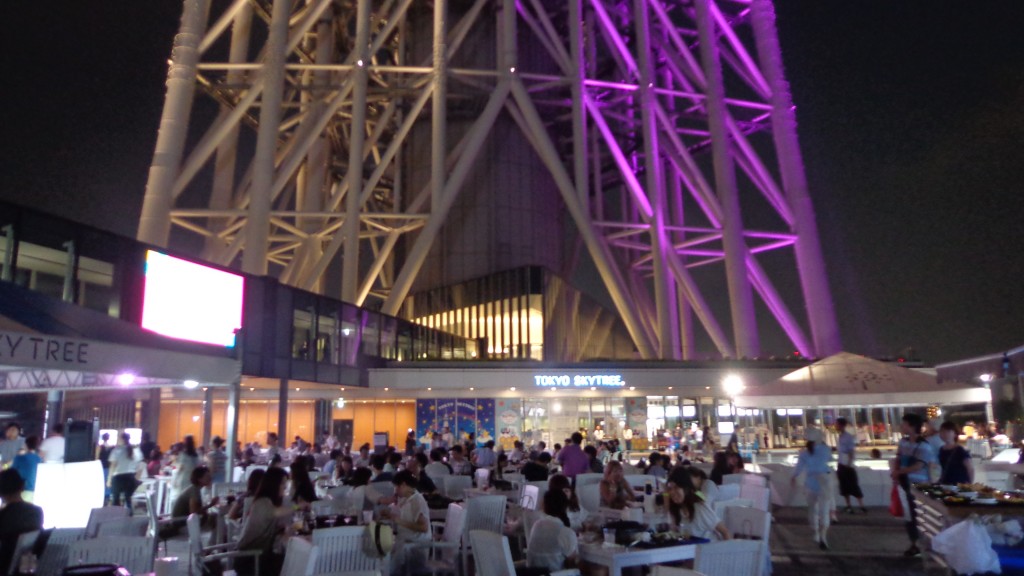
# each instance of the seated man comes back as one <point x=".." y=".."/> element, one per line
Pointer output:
<point x="536" y="469"/>
<point x="190" y="501"/>
<point x="16" y="517"/>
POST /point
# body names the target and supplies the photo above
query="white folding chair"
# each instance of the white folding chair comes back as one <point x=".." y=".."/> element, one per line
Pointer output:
<point x="498" y="559"/>
<point x="514" y="477"/>
<point x="486" y="513"/>
<point x="728" y="491"/>
<point x="530" y="500"/>
<point x="587" y="479"/>
<point x="103" y="514"/>
<point x="299" y="558"/>
<point x="732" y="478"/>
<point x="730" y="558"/>
<point x="720" y="505"/>
<point x="750" y="524"/>
<point x="754" y="480"/>
<point x="326" y="507"/>
<point x="202" y="556"/>
<point x="223" y="489"/>
<point x="25" y="543"/>
<point x="759" y="495"/>
<point x="338" y="492"/>
<point x="530" y="517"/>
<point x="589" y="496"/>
<point x="542" y="489"/>
<point x="55" y="555"/>
<point x="134" y="553"/>
<point x="342" y="549"/>
<point x="377" y="490"/>
<point x="133" y="526"/>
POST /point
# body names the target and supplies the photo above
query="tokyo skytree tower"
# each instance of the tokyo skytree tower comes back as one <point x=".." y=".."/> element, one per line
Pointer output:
<point x="369" y="149"/>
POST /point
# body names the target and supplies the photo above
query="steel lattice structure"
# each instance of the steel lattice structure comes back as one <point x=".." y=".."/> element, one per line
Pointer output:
<point x="664" y="124"/>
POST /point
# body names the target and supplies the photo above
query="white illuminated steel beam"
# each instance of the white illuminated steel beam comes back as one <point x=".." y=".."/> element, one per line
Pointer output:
<point x="618" y="98"/>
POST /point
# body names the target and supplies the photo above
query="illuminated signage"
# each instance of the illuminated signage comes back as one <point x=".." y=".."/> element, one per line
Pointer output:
<point x="579" y="381"/>
<point x="190" y="301"/>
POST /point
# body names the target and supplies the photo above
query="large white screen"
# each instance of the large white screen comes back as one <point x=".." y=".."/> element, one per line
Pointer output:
<point x="190" y="301"/>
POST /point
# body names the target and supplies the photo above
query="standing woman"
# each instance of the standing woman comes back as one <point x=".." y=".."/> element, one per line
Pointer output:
<point x="957" y="467"/>
<point x="689" y="512"/>
<point x="813" y="461"/>
<point x="124" y="462"/>
<point x="184" y="463"/>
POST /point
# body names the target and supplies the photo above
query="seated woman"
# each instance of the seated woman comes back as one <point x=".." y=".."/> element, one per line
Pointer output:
<point x="244" y="501"/>
<point x="706" y="489"/>
<point x="268" y="518"/>
<point x="689" y="512"/>
<point x="575" y="514"/>
<point x="303" y="492"/>
<point x="412" y="521"/>
<point x="615" y="491"/>
<point x="190" y="501"/>
<point x="553" y="544"/>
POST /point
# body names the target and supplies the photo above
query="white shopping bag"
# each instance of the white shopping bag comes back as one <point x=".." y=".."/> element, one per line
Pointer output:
<point x="967" y="548"/>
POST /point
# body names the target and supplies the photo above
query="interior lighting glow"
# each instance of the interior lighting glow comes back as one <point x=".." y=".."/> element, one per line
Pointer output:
<point x="190" y="384"/>
<point x="732" y="384"/>
<point x="195" y="418"/>
<point x="126" y="379"/>
<point x="185" y="300"/>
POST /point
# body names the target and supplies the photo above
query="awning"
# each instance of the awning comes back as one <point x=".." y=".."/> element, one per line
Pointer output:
<point x="851" y="380"/>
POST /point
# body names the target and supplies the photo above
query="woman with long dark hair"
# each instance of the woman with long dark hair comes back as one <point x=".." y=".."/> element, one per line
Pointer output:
<point x="573" y="510"/>
<point x="268" y="518"/>
<point x="303" y="491"/>
<point x="553" y="544"/>
<point x="124" y="463"/>
<point x="689" y="511"/>
<point x="184" y="463"/>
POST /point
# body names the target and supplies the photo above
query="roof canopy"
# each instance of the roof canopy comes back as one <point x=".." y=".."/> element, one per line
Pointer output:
<point x="846" y="379"/>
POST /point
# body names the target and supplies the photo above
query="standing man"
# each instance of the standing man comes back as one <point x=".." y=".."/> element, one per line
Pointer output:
<point x="26" y="464"/>
<point x="847" y="474"/>
<point x="52" y="449"/>
<point x="572" y="458"/>
<point x="12" y="444"/>
<point x="627" y="435"/>
<point x="913" y="457"/>
<point x="217" y="460"/>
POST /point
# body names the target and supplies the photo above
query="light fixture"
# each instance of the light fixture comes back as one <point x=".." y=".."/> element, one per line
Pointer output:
<point x="204" y="390"/>
<point x="346" y="331"/>
<point x="429" y="389"/>
<point x="986" y="378"/>
<point x="592" y="388"/>
<point x="195" y="418"/>
<point x="298" y="389"/>
<point x="190" y="384"/>
<point x="252" y="389"/>
<point x="732" y="384"/>
<point x="669" y="387"/>
<point x="126" y="379"/>
<point x="632" y="387"/>
<point x="513" y="388"/>
<point x="707" y="387"/>
<point x="340" y="402"/>
<point x="386" y="389"/>
<point x="471" y="388"/>
<point x="556" y="407"/>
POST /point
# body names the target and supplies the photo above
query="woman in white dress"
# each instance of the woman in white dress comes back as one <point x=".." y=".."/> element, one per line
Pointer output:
<point x="124" y="463"/>
<point x="412" y="521"/>
<point x="688" y="510"/>
<point x="184" y="463"/>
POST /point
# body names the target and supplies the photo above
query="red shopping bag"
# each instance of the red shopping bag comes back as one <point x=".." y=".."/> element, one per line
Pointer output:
<point x="895" y="506"/>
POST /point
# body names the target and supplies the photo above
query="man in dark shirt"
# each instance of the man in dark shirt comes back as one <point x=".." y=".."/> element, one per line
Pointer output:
<point x="536" y="470"/>
<point x="16" y="517"/>
<point x="424" y="485"/>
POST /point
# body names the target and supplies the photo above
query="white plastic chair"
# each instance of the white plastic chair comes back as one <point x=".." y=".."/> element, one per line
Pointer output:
<point x="200" y="556"/>
<point x="299" y="558"/>
<point x="514" y="477"/>
<point x="482" y="477"/>
<point x="486" y="513"/>
<point x="133" y="526"/>
<point x="530" y="518"/>
<point x="720" y="505"/>
<point x="587" y="479"/>
<point x="103" y="514"/>
<point x="134" y="553"/>
<point x="445" y="553"/>
<point x="338" y="492"/>
<point x="377" y="490"/>
<point x="590" y="497"/>
<point x="223" y="489"/>
<point x="759" y="495"/>
<point x="342" y="550"/>
<point x="327" y="507"/>
<point x="498" y="559"/>
<point x="728" y="491"/>
<point x="55" y="555"/>
<point x="750" y="524"/>
<point x="456" y="486"/>
<point x="730" y="558"/>
<point x="251" y="469"/>
<point x="673" y="571"/>
<point x="530" y="499"/>
<point x="25" y="543"/>
<point x="542" y="489"/>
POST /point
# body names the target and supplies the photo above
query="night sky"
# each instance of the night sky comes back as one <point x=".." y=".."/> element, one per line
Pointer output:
<point x="911" y="122"/>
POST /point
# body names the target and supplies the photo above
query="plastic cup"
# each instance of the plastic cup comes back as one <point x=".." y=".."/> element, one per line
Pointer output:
<point x="609" y="536"/>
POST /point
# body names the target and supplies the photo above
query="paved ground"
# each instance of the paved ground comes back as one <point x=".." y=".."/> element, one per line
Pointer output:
<point x="869" y="544"/>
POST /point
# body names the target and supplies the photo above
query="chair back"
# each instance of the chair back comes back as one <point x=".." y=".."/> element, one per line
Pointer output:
<point x="300" y="558"/>
<point x="152" y="511"/>
<point x="103" y="514"/>
<point x="759" y="495"/>
<point x="732" y="478"/>
<point x="587" y="479"/>
<point x="223" y="489"/>
<point x="134" y="553"/>
<point x="55" y="555"/>
<point x="338" y="492"/>
<point x="673" y="571"/>
<point x="542" y="489"/>
<point x="195" y="543"/>
<point x="342" y="549"/>
<point x="131" y="526"/>
<point x="755" y="480"/>
<point x="454" y="487"/>
<point x="486" y="513"/>
<point x="454" y="524"/>
<point x="251" y="469"/>
<point x="326" y="507"/>
<point x="514" y="477"/>
<point x="728" y="491"/>
<point x="721" y="505"/>
<point x="530" y="517"/>
<point x="747" y="523"/>
<point x="589" y="496"/>
<point x="530" y="500"/>
<point x="25" y="543"/>
<point x="497" y="561"/>
<point x="730" y="558"/>
<point x="482" y="477"/>
<point x="377" y="490"/>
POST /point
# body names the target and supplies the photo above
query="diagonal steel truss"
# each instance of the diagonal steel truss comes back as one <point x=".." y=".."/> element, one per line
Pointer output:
<point x="665" y="124"/>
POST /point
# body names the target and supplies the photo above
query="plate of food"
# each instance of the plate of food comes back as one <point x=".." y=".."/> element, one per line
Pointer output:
<point x="986" y="501"/>
<point x="968" y="494"/>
